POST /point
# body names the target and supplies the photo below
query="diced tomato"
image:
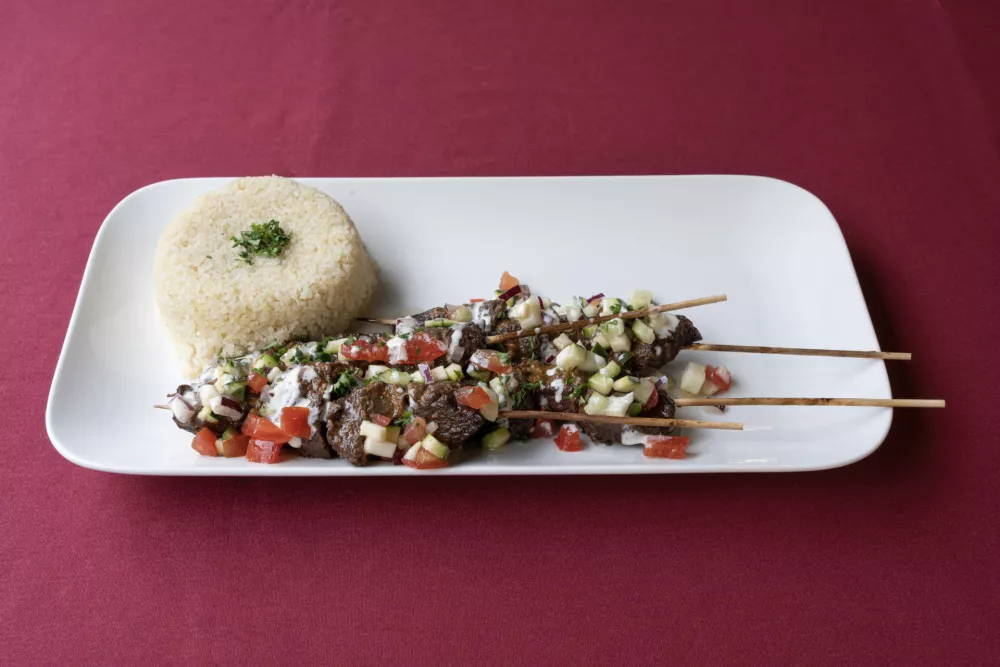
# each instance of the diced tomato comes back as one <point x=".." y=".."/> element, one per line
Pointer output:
<point x="235" y="446"/>
<point x="415" y="431"/>
<point x="544" y="428"/>
<point x="666" y="446"/>
<point x="652" y="401"/>
<point x="507" y="281"/>
<point x="568" y="439"/>
<point x="381" y="420"/>
<point x="259" y="428"/>
<point x="257" y="382"/>
<point x="295" y="422"/>
<point x="425" y="461"/>
<point x="719" y="376"/>
<point x="473" y="397"/>
<point x="424" y="348"/>
<point x="490" y="361"/>
<point x="263" y="451"/>
<point x="363" y="350"/>
<point x="204" y="443"/>
<point x="476" y="300"/>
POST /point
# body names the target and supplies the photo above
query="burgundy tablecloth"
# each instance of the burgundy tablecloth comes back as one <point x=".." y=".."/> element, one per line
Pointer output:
<point x="888" y="111"/>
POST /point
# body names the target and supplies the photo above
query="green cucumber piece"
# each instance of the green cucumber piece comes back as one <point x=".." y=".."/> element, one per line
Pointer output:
<point x="602" y="384"/>
<point x="496" y="439"/>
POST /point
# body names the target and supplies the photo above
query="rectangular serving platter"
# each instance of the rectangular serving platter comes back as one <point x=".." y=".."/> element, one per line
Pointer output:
<point x="772" y="247"/>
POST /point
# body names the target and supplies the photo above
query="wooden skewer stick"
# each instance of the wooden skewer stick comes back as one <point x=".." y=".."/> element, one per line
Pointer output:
<point x="579" y="324"/>
<point x="631" y="421"/>
<point x="849" y="402"/>
<point x="801" y="351"/>
<point x="377" y="320"/>
<point x="162" y="407"/>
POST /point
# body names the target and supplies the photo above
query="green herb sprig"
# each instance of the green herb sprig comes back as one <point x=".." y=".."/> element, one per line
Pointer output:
<point x="265" y="240"/>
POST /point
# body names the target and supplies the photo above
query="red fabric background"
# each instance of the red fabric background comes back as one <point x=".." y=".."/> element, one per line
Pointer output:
<point x="888" y="111"/>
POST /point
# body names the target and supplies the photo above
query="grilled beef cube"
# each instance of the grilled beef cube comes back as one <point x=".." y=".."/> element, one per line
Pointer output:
<point x="471" y="339"/>
<point x="488" y="314"/>
<point x="436" y="313"/>
<point x="519" y="348"/>
<point x="611" y="434"/>
<point x="315" y="390"/>
<point x="436" y="402"/>
<point x="344" y="417"/>
<point x="550" y="392"/>
<point x="647" y="358"/>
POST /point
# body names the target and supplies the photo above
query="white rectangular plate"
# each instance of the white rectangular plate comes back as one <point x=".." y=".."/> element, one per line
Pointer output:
<point x="773" y="247"/>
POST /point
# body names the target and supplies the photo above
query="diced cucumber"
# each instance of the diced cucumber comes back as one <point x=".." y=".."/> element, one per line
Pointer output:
<point x="219" y="449"/>
<point x="393" y="376"/>
<point x="380" y="448"/>
<point x="590" y="311"/>
<point x="287" y="357"/>
<point x="614" y="327"/>
<point x="634" y="409"/>
<point x="454" y="372"/>
<point x="639" y="299"/>
<point x="617" y="406"/>
<point x="392" y="433"/>
<point x="596" y="404"/>
<point x="600" y="383"/>
<point x="205" y="415"/>
<point x="626" y="383"/>
<point x="374" y="370"/>
<point x="643" y="332"/>
<point x="561" y="341"/>
<point x="570" y="357"/>
<point x="600" y="338"/>
<point x="593" y="362"/>
<point x="207" y="392"/>
<point x="222" y="381"/>
<point x="644" y="389"/>
<point x="610" y="305"/>
<point x="611" y="370"/>
<point x="333" y="347"/>
<point x="500" y="389"/>
<point x="417" y="377"/>
<point x="589" y="330"/>
<point x="693" y="378"/>
<point x="439" y="374"/>
<point x="496" y="439"/>
<point x="546" y="302"/>
<point x="621" y="343"/>
<point x="573" y="313"/>
<point x="477" y="373"/>
<point x="235" y="390"/>
<point x="435" y="446"/>
<point x="230" y="432"/>
<point x="439" y="323"/>
<point x="372" y="431"/>
<point x="274" y="374"/>
<point x="265" y="361"/>
<point x="528" y="313"/>
<point x="411" y="453"/>
<point x="461" y="314"/>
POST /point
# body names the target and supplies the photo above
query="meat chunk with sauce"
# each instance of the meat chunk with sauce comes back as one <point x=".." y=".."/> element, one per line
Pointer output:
<point x="648" y="357"/>
<point x="471" y="338"/>
<point x="315" y="389"/>
<point x="344" y="417"/>
<point x="436" y="402"/>
<point x="610" y="434"/>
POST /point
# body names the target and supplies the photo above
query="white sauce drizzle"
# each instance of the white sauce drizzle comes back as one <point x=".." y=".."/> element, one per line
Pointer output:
<point x="405" y="325"/>
<point x="456" y="338"/>
<point x="397" y="351"/>
<point x="559" y="385"/>
<point x="631" y="436"/>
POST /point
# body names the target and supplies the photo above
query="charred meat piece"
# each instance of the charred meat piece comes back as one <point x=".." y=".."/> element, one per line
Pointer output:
<point x="610" y="434"/>
<point x="189" y="399"/>
<point x="519" y="348"/>
<point x="344" y="417"/>
<point x="436" y="313"/>
<point x="471" y="338"/>
<point x="315" y="390"/>
<point x="647" y="357"/>
<point x="436" y="403"/>
<point x="488" y="314"/>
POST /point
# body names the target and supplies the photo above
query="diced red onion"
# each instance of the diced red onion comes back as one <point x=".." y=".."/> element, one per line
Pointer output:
<point x="432" y="426"/>
<point x="549" y="359"/>
<point x="425" y="370"/>
<point x="182" y="411"/>
<point x="513" y="291"/>
<point x="548" y="319"/>
<point x="662" y="381"/>
<point x="541" y="304"/>
<point x="229" y="408"/>
<point x="599" y="295"/>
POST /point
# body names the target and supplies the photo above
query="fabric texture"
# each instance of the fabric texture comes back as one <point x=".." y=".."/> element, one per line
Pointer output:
<point x="888" y="111"/>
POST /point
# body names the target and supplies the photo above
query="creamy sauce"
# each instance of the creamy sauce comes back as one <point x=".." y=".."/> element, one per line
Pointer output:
<point x="397" y="350"/>
<point x="454" y="346"/>
<point x="481" y="317"/>
<point x="631" y="436"/>
<point x="558" y="385"/>
<point x="405" y="325"/>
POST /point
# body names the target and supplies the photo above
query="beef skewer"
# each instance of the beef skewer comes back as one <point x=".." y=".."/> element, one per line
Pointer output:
<point x="622" y="421"/>
<point x="844" y="402"/>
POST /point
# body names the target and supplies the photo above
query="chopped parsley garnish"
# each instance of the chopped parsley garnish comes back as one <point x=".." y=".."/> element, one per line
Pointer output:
<point x="623" y="358"/>
<point x="504" y="358"/>
<point x="265" y="240"/>
<point x="579" y="391"/>
<point x="344" y="384"/>
<point x="404" y="420"/>
<point x="616" y="308"/>
<point x="299" y="356"/>
<point x="523" y="389"/>
<point x="599" y="350"/>
<point x="350" y="340"/>
<point x="531" y="343"/>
